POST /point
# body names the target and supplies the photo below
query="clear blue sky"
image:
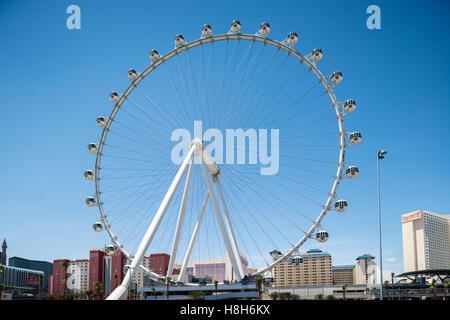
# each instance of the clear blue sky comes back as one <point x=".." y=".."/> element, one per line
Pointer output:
<point x="55" y="81"/>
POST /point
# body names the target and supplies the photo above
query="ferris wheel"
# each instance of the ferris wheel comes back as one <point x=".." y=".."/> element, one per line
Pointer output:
<point x="251" y="127"/>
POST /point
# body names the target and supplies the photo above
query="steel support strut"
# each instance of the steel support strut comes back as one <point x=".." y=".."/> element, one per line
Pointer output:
<point x="187" y="256"/>
<point x="176" y="239"/>
<point x="120" y="293"/>
<point x="225" y="236"/>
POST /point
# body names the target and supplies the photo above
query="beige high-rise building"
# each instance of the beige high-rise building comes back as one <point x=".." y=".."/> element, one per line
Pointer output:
<point x="365" y="270"/>
<point x="426" y="241"/>
<point x="312" y="268"/>
<point x="342" y="275"/>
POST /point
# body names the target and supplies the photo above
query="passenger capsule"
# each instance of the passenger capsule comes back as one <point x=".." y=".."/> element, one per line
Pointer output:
<point x="154" y="55"/>
<point x="179" y="40"/>
<point x="317" y="54"/>
<point x="114" y="96"/>
<point x="292" y="38"/>
<point x="97" y="226"/>
<point x="235" y="26"/>
<point x="92" y="147"/>
<point x="264" y="29"/>
<point x="132" y="74"/>
<point x="90" y="201"/>
<point x="349" y="105"/>
<point x="296" y="260"/>
<point x="206" y="31"/>
<point x="322" y="236"/>
<point x="336" y="77"/>
<point x="101" y="121"/>
<point x="354" y="137"/>
<point x="89" y="175"/>
<point x="352" y="172"/>
<point x="109" y="249"/>
<point x="340" y="205"/>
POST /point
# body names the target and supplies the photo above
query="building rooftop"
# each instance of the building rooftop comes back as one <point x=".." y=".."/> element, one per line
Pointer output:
<point x="365" y="256"/>
<point x="342" y="267"/>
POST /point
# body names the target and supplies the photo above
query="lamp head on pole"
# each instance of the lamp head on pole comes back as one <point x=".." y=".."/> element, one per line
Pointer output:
<point x="381" y="154"/>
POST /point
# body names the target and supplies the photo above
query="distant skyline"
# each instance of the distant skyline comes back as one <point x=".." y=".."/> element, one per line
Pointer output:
<point x="55" y="82"/>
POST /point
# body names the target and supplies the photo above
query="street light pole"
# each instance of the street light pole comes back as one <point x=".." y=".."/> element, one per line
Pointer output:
<point x="380" y="155"/>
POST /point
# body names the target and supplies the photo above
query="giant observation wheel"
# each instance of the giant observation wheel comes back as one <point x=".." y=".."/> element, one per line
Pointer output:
<point x="254" y="130"/>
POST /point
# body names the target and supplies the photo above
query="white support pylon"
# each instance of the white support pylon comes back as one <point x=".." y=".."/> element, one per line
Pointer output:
<point x="225" y="237"/>
<point x="187" y="256"/>
<point x="226" y="213"/>
<point x="120" y="293"/>
<point x="173" y="254"/>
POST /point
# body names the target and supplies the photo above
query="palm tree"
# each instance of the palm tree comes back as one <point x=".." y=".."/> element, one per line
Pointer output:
<point x="167" y="285"/>
<point x="386" y="285"/>
<point x="344" y="291"/>
<point x="445" y="289"/>
<point x="98" y="289"/>
<point x="259" y="281"/>
<point x="392" y="281"/>
<point x="2" y="287"/>
<point x="274" y="295"/>
<point x="41" y="282"/>
<point x="215" y="286"/>
<point x="64" y="282"/>
<point x="115" y="279"/>
<point x="89" y="294"/>
<point x="433" y="288"/>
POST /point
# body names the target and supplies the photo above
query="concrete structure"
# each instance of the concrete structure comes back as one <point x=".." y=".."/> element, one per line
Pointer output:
<point x="310" y="293"/>
<point x="44" y="266"/>
<point x="315" y="270"/>
<point x="19" y="281"/>
<point x="365" y="271"/>
<point x="426" y="241"/>
<point x="343" y="275"/>
<point x="78" y="276"/>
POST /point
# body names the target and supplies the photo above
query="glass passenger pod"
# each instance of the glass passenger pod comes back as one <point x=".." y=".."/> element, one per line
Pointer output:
<point x="340" y="205"/>
<point x="317" y="54"/>
<point x="89" y="174"/>
<point x="109" y="249"/>
<point x="322" y="236"/>
<point x="206" y="31"/>
<point x="349" y="105"/>
<point x="97" y="226"/>
<point x="336" y="77"/>
<point x="355" y="137"/>
<point x="154" y="55"/>
<point x="179" y="40"/>
<point x="132" y="74"/>
<point x="114" y="96"/>
<point x="92" y="147"/>
<point x="90" y="201"/>
<point x="296" y="260"/>
<point x="292" y="38"/>
<point x="264" y="29"/>
<point x="101" y="121"/>
<point x="235" y="26"/>
<point x="352" y="172"/>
